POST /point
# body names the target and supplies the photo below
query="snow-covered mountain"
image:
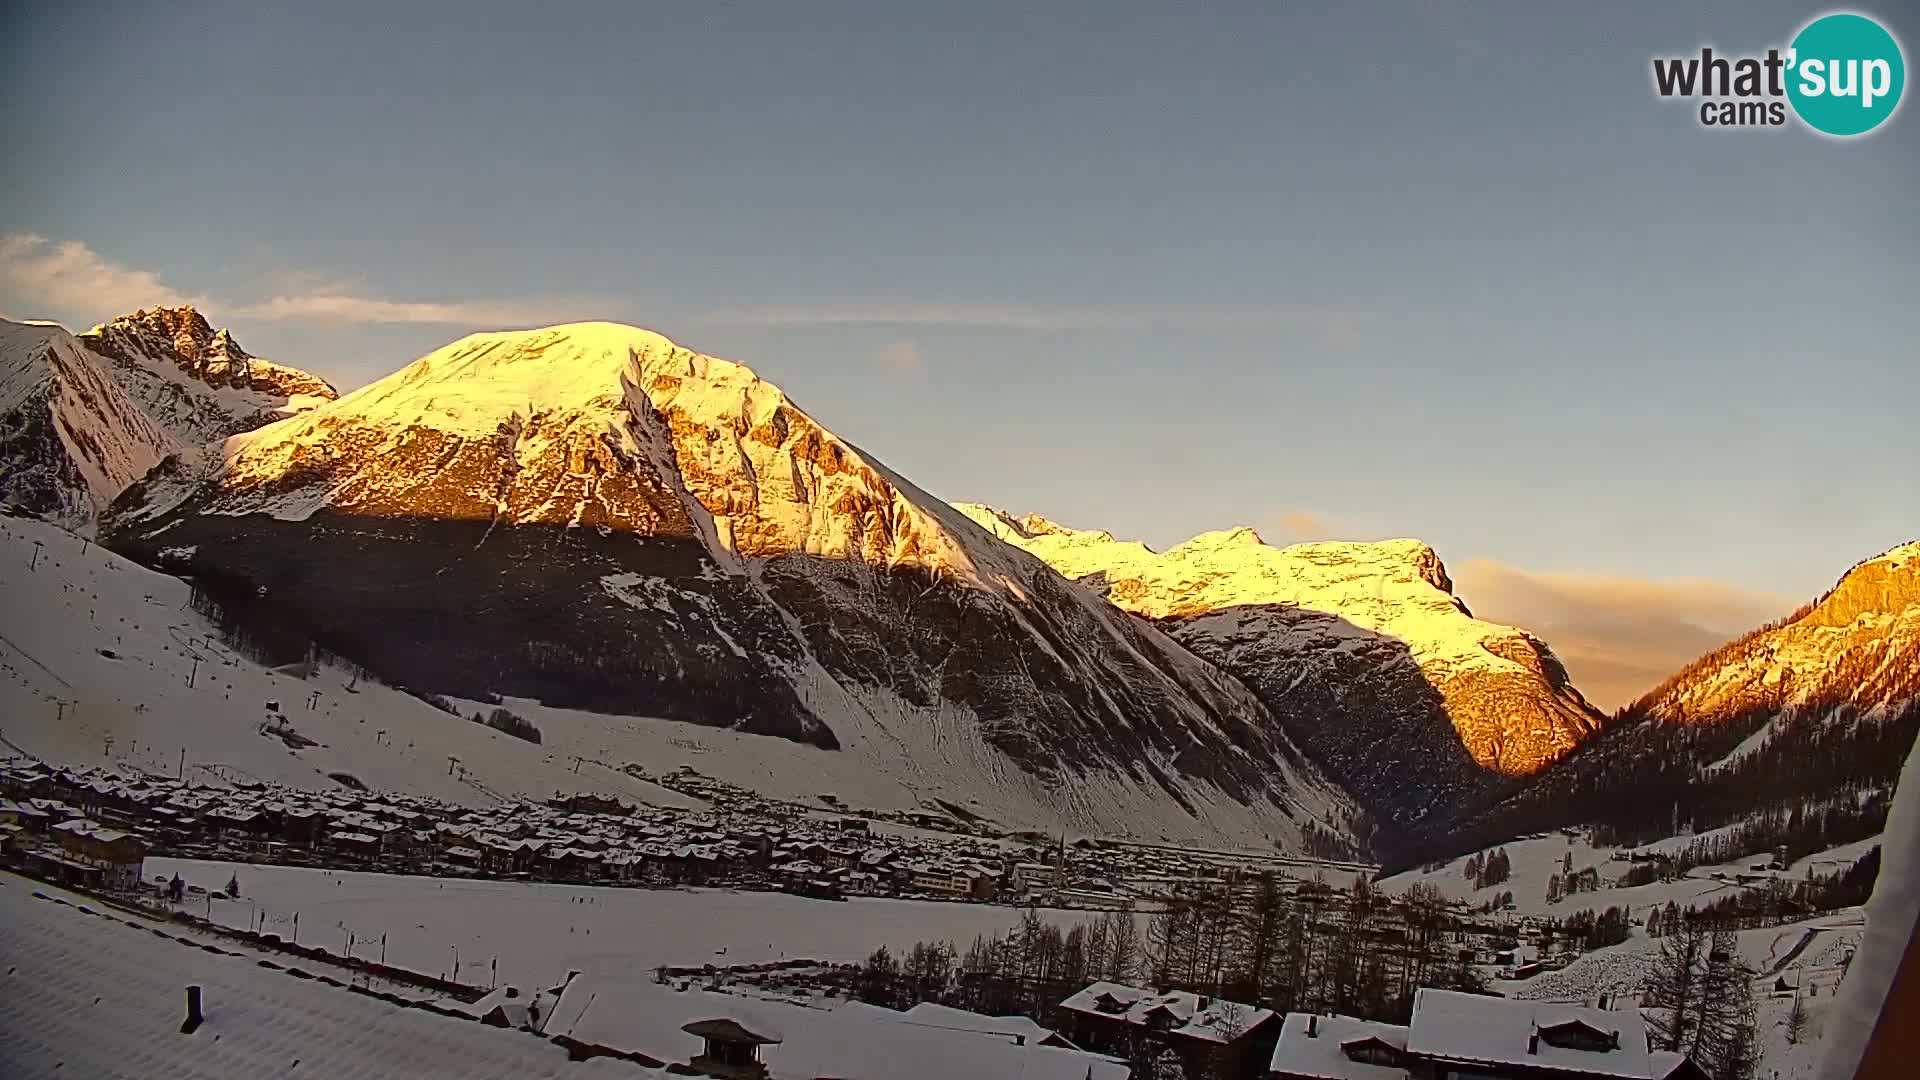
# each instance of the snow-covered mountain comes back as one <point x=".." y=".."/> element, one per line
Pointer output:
<point x="1819" y="706"/>
<point x="1361" y="649"/>
<point x="81" y="417"/>
<point x="595" y="517"/>
<point x="1858" y="646"/>
<point x="71" y="437"/>
<point x="195" y="381"/>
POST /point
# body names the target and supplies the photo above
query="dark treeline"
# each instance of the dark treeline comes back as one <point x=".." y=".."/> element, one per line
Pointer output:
<point x="1354" y="951"/>
<point x="1495" y="868"/>
<point x="1318" y="841"/>
<point x="1597" y="930"/>
<point x="511" y="723"/>
<point x="1777" y="900"/>
<point x="252" y="627"/>
<point x="1796" y="832"/>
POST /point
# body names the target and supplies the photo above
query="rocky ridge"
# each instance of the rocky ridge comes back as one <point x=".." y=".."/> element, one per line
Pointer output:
<point x="1361" y="649"/>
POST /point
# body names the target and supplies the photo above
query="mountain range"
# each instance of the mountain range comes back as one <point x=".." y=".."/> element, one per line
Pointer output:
<point x="596" y="518"/>
<point x="593" y="520"/>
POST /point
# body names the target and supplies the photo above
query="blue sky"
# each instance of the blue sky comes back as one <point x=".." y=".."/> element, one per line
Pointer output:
<point x="1431" y="270"/>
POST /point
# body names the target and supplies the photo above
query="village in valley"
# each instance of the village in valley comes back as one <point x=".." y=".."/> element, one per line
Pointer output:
<point x="720" y="835"/>
<point x="1029" y="956"/>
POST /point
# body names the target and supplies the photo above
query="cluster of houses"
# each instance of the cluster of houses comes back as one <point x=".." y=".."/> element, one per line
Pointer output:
<point x="99" y="819"/>
<point x="737" y="839"/>
<point x="45" y="837"/>
<point x="1456" y="1036"/>
<point x="1109" y="1030"/>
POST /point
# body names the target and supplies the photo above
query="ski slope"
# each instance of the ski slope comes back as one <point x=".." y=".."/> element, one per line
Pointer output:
<point x="96" y="654"/>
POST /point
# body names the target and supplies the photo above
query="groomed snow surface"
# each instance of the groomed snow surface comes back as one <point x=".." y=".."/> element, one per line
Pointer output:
<point x="89" y="996"/>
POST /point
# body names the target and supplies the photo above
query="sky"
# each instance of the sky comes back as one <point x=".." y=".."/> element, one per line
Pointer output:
<point x="1334" y="271"/>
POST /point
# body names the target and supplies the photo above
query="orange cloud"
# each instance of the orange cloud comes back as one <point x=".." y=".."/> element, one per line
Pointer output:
<point x="1618" y="636"/>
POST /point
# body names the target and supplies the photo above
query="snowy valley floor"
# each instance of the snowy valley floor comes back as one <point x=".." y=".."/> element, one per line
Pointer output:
<point x="541" y="931"/>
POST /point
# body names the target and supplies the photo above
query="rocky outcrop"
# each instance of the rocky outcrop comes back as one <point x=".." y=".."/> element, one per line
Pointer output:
<point x="82" y="416"/>
<point x="596" y="517"/>
<point x="1857" y="646"/>
<point x="70" y="436"/>
<point x="197" y="382"/>
<point x="1386" y="679"/>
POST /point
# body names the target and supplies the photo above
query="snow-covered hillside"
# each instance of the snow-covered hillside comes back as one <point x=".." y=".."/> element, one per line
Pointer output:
<point x="1811" y="957"/>
<point x="1361" y="648"/>
<point x="1857" y="646"/>
<point x="71" y="437"/>
<point x="96" y="657"/>
<point x="82" y="417"/>
<point x="1535" y="859"/>
<point x="595" y="518"/>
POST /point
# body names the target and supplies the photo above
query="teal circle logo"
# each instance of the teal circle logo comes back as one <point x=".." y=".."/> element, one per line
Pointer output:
<point x="1845" y="74"/>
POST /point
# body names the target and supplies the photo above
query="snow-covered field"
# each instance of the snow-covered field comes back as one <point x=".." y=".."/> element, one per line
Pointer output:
<point x="1536" y="860"/>
<point x="540" y="931"/>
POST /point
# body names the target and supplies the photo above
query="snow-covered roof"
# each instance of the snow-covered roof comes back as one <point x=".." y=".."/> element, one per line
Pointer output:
<point x="933" y="1014"/>
<point x="92" y="830"/>
<point x="1211" y="1019"/>
<point x="1476" y="1028"/>
<point x="1324" y="1053"/>
<point x="92" y="996"/>
<point x="641" y="1016"/>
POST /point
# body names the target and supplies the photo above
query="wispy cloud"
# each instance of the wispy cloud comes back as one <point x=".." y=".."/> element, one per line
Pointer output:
<point x="902" y="355"/>
<point x="1339" y="324"/>
<point x="1618" y="636"/>
<point x="340" y="307"/>
<point x="68" y="278"/>
<point x="50" y="277"/>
